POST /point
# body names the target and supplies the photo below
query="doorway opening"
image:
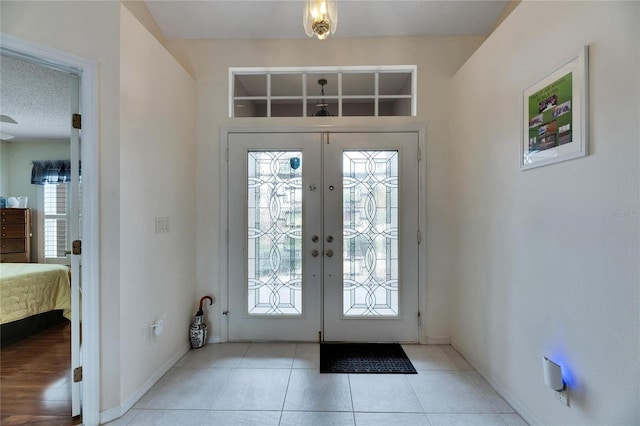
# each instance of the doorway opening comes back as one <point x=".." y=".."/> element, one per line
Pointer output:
<point x="87" y="363"/>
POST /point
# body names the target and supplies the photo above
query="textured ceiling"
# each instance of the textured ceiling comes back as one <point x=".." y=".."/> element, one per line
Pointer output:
<point x="37" y="98"/>
<point x="260" y="19"/>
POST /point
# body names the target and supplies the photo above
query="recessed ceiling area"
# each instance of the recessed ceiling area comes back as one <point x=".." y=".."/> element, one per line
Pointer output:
<point x="37" y="98"/>
<point x="271" y="19"/>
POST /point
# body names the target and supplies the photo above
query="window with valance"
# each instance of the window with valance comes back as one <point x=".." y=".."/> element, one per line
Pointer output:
<point x="53" y="176"/>
<point x="52" y="172"/>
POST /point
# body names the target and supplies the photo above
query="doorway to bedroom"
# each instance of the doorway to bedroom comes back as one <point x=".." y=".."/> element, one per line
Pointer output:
<point x="31" y="134"/>
<point x="323" y="236"/>
<point x="41" y="168"/>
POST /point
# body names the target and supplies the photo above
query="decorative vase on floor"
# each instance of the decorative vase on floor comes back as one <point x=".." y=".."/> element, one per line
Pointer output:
<point x="198" y="330"/>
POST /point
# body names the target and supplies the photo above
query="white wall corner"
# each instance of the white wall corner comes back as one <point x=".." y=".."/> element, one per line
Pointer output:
<point x="445" y="340"/>
<point x="214" y="339"/>
<point x="505" y="394"/>
<point x="120" y="410"/>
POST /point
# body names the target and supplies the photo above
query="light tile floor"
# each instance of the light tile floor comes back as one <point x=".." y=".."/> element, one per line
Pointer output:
<point x="280" y="384"/>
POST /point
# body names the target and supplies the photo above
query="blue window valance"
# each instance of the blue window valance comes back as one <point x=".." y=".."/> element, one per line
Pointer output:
<point x="50" y="171"/>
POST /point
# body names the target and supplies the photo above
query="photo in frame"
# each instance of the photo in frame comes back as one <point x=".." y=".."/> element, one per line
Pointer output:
<point x="555" y="115"/>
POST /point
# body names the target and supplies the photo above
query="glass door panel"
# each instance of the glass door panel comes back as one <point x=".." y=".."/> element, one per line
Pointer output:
<point x="274" y="208"/>
<point x="371" y="216"/>
<point x="274" y="282"/>
<point x="370" y="233"/>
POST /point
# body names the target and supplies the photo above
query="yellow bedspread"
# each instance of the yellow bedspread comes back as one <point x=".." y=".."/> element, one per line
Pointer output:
<point x="32" y="288"/>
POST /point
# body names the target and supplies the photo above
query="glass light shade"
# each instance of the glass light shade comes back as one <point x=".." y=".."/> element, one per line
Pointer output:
<point x="320" y="18"/>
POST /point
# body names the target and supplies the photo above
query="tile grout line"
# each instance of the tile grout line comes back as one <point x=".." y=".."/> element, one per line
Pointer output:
<point x="413" y="389"/>
<point x="234" y="370"/>
<point x="286" y="391"/>
<point x="353" y="407"/>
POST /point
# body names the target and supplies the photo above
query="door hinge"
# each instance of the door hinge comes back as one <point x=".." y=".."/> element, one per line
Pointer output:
<point x="76" y="247"/>
<point x="327" y="137"/>
<point x="226" y="155"/>
<point x="419" y="236"/>
<point x="419" y="154"/>
<point x="77" y="374"/>
<point x="319" y="336"/>
<point x="76" y="121"/>
<point x="419" y="319"/>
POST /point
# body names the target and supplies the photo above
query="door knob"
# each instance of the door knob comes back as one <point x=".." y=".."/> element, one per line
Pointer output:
<point x="329" y="253"/>
<point x="315" y="253"/>
<point x="330" y="239"/>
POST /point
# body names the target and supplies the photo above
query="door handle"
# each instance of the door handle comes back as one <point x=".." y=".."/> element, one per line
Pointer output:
<point x="315" y="253"/>
<point x="329" y="253"/>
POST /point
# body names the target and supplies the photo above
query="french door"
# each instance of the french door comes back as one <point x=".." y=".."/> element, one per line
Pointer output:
<point x="323" y="236"/>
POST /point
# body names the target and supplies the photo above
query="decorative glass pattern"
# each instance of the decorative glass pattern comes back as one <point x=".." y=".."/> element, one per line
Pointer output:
<point x="274" y="233"/>
<point x="370" y="231"/>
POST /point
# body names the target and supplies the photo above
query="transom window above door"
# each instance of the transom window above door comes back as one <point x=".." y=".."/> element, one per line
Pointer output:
<point x="364" y="91"/>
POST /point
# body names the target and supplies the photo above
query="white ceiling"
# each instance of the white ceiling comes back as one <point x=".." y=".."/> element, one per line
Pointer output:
<point x="260" y="19"/>
<point x="38" y="98"/>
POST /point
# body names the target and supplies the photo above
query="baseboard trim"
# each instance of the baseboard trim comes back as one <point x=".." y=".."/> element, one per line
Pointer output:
<point x="119" y="410"/>
<point x="511" y="400"/>
<point x="110" y="414"/>
<point x="438" y="340"/>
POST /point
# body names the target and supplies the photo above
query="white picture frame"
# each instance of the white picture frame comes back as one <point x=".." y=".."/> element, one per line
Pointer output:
<point x="555" y="115"/>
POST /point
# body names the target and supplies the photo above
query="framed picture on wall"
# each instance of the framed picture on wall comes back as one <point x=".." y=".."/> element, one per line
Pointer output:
<point x="555" y="115"/>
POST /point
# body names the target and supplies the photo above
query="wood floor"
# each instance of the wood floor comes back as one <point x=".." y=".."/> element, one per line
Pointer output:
<point x="35" y="387"/>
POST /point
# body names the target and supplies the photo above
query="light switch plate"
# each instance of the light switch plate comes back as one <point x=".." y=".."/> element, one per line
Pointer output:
<point x="162" y="224"/>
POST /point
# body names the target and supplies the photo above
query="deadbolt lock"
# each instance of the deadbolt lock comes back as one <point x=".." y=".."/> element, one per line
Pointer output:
<point x="330" y="239"/>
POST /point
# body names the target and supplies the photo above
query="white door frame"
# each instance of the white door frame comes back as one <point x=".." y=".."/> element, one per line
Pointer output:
<point x="224" y="187"/>
<point x="88" y="72"/>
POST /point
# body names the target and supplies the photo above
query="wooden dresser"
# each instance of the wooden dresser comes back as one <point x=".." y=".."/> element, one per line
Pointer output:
<point x="15" y="238"/>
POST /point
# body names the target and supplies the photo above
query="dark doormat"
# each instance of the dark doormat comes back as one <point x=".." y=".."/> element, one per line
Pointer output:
<point x="371" y="358"/>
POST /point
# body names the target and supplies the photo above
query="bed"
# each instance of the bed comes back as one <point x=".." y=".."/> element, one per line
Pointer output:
<point x="33" y="296"/>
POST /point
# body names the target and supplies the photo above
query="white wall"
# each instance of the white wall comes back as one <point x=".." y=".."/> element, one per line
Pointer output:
<point x="90" y="30"/>
<point x="546" y="260"/>
<point x="437" y="59"/>
<point x="19" y="156"/>
<point x="157" y="154"/>
<point x="4" y="169"/>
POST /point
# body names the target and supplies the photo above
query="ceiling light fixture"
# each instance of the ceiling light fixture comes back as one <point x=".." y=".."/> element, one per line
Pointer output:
<point x="7" y="119"/>
<point x="320" y="18"/>
<point x="322" y="112"/>
<point x="5" y="136"/>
